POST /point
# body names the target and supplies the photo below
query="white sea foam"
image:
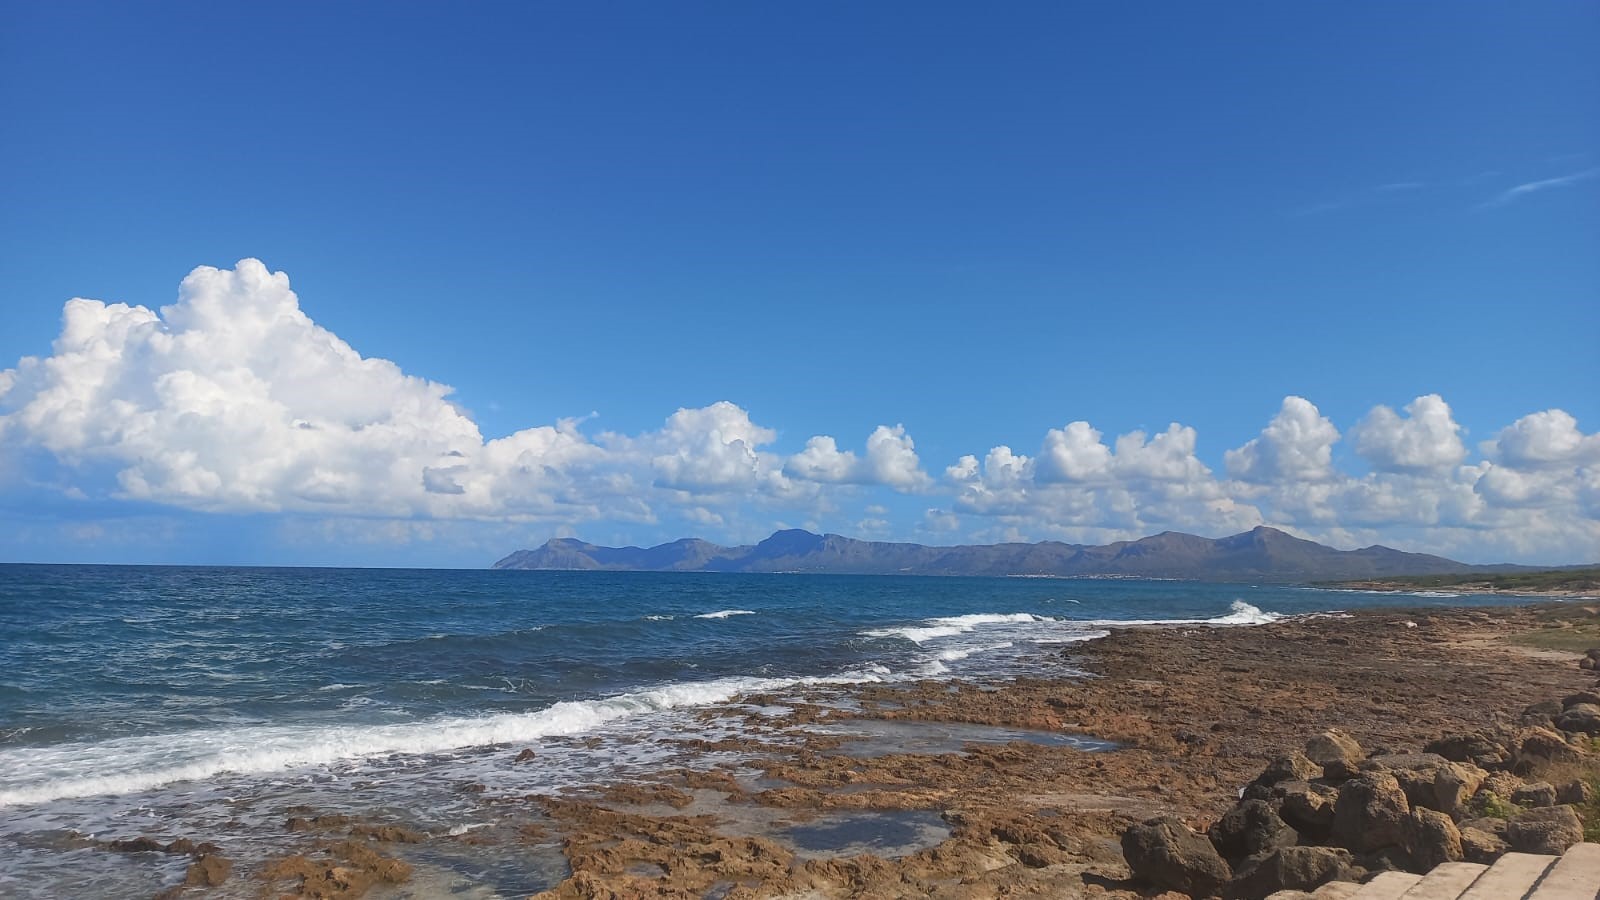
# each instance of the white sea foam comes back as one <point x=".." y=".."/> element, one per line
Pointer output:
<point x="724" y="613"/>
<point x="658" y="618"/>
<point x="1239" y="613"/>
<point x="950" y="626"/>
<point x="126" y="765"/>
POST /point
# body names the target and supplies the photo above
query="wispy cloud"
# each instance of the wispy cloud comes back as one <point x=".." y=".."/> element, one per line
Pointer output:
<point x="1534" y="187"/>
<point x="1363" y="197"/>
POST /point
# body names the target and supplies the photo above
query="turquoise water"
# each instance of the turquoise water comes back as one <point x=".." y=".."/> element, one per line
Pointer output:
<point x="176" y="701"/>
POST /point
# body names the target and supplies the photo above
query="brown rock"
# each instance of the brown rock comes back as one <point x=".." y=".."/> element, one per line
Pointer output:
<point x="1478" y="846"/>
<point x="525" y="756"/>
<point x="1537" y="794"/>
<point x="1539" y="747"/>
<point x="1478" y="749"/>
<point x="1583" y="718"/>
<point x="1589" y="697"/>
<point x="1431" y="838"/>
<point x="1167" y="854"/>
<point x="1336" y="752"/>
<point x="1430" y="780"/>
<point x="1250" y="828"/>
<point x="1306" y="807"/>
<point x="208" y="871"/>
<point x="1291" y="868"/>
<point x="1370" y="813"/>
<point x="1576" y="792"/>
<point x="141" y="844"/>
<point x="1549" y="830"/>
<point x="1294" y="767"/>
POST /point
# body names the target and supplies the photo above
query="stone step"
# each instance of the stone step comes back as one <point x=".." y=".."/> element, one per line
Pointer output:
<point x="1387" y="886"/>
<point x="1445" y="882"/>
<point x="1510" y="878"/>
<point x="1337" y="890"/>
<point x="1575" y="876"/>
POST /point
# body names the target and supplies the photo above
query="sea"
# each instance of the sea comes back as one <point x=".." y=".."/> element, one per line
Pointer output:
<point x="216" y="703"/>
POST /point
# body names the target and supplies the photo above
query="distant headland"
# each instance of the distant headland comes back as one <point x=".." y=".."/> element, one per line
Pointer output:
<point x="1261" y="554"/>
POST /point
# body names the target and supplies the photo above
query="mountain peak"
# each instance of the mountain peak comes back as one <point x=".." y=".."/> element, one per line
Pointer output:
<point x="1260" y="554"/>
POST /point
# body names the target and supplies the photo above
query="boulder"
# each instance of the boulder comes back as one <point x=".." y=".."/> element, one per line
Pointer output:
<point x="1294" y="767"/>
<point x="1479" y="846"/>
<point x="1550" y="830"/>
<point x="1583" y="718"/>
<point x="1539" y="793"/>
<point x="1540" y="747"/>
<point x="1306" y="807"/>
<point x="1336" y="752"/>
<point x="1576" y="792"/>
<point x="1431" y="838"/>
<point x="1250" y="828"/>
<point x="1571" y="700"/>
<point x="1540" y="714"/>
<point x="208" y="871"/>
<point x="1370" y="813"/>
<point x="1478" y="749"/>
<point x="1291" y="868"/>
<point x="1165" y="853"/>
<point x="1431" y="781"/>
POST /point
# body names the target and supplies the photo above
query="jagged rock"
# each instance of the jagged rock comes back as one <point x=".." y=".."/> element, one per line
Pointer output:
<point x="1387" y="859"/>
<point x="1537" y="794"/>
<point x="526" y="755"/>
<point x="1370" y="813"/>
<point x="1479" y="846"/>
<point x="1291" y="868"/>
<point x="1539" y="747"/>
<point x="1541" y="714"/>
<point x="141" y="844"/>
<point x="208" y="871"/>
<point x="1168" y="855"/>
<point x="1501" y="784"/>
<point x="1306" y="807"/>
<point x="1584" y="718"/>
<point x="1250" y="828"/>
<point x="1431" y="838"/>
<point x="1431" y="781"/>
<point x="1294" y="767"/>
<point x="1336" y="752"/>
<point x="1550" y="830"/>
<point x="1478" y="749"/>
<point x="1576" y="792"/>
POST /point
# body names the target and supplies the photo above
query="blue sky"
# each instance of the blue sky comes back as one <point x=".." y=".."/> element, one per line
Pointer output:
<point x="974" y="225"/>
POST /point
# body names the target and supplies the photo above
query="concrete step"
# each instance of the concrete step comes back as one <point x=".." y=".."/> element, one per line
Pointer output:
<point x="1445" y="882"/>
<point x="1576" y="876"/>
<point x="1387" y="886"/>
<point x="1510" y="878"/>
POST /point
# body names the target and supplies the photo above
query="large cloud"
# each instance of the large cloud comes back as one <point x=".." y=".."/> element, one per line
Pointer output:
<point x="232" y="399"/>
<point x="1429" y="440"/>
<point x="891" y="460"/>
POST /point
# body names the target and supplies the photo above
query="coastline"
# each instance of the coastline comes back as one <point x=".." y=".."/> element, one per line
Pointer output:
<point x="879" y="790"/>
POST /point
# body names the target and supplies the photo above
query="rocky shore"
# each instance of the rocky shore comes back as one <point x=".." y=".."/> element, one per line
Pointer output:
<point x="1241" y="761"/>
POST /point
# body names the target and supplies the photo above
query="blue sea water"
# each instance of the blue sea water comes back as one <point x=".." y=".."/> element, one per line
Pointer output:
<point x="201" y="701"/>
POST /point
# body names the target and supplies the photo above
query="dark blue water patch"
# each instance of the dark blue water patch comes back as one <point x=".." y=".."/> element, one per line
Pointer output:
<point x="889" y="834"/>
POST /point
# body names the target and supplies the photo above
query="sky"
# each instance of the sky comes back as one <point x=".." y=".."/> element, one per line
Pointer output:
<point x="421" y="284"/>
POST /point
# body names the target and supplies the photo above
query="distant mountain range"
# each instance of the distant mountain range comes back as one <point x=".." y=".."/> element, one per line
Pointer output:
<point x="1261" y="554"/>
